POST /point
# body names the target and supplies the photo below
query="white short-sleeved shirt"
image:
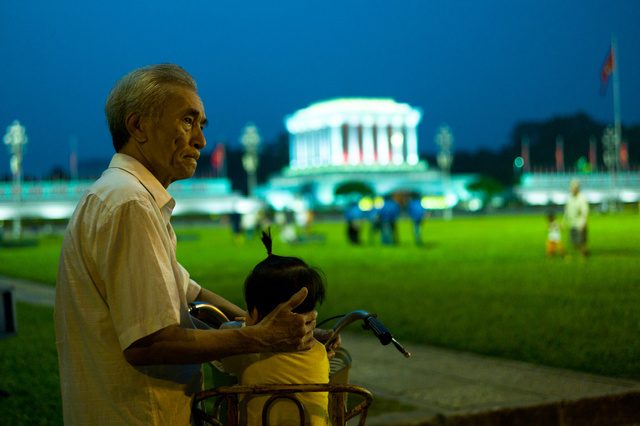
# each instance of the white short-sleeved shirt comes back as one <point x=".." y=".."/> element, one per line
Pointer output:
<point x="576" y="211"/>
<point x="555" y="233"/>
<point x="118" y="281"/>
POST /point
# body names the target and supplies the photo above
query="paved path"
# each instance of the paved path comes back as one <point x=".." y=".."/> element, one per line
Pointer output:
<point x="451" y="387"/>
<point x="25" y="291"/>
<point x="445" y="383"/>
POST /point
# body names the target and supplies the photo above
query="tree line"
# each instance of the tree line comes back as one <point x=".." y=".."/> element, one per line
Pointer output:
<point x="576" y="131"/>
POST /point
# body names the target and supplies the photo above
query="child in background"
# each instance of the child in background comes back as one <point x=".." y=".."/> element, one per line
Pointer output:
<point x="554" y="237"/>
<point x="274" y="281"/>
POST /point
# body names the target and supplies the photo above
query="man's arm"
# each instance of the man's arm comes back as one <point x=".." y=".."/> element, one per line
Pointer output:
<point x="280" y="331"/>
<point x="229" y="309"/>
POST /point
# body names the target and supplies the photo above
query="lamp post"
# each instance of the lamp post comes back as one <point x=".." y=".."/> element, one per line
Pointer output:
<point x="610" y="155"/>
<point x="444" y="140"/>
<point x="16" y="139"/>
<point x="610" y="149"/>
<point x="250" y="139"/>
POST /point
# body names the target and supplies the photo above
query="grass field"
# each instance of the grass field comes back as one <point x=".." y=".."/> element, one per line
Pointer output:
<point x="479" y="284"/>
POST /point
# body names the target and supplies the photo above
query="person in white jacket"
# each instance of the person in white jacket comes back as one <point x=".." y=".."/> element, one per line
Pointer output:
<point x="576" y="214"/>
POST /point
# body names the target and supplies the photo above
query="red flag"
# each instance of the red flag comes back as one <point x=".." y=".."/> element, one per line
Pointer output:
<point x="593" y="159"/>
<point x="525" y="154"/>
<point x="624" y="156"/>
<point x="559" y="154"/>
<point x="217" y="157"/>
<point x="607" y="69"/>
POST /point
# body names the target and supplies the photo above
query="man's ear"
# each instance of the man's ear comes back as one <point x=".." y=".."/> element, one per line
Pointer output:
<point x="136" y="125"/>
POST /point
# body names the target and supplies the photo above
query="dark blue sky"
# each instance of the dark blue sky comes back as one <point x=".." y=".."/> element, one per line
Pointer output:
<point x="480" y="66"/>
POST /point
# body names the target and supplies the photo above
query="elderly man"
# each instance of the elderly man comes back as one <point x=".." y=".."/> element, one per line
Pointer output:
<point x="576" y="213"/>
<point x="128" y="352"/>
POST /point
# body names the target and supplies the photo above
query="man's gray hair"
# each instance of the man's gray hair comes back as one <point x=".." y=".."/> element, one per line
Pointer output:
<point x="142" y="91"/>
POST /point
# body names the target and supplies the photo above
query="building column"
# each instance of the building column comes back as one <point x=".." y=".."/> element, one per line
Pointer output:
<point x="411" y="123"/>
<point x="303" y="160"/>
<point x="311" y="154"/>
<point x="412" y="146"/>
<point x="315" y="141"/>
<point x="293" y="150"/>
<point x="337" y="154"/>
<point x="325" y="146"/>
<point x="383" y="140"/>
<point x="368" y="154"/>
<point x="354" y="142"/>
<point x="397" y="140"/>
<point x="308" y="137"/>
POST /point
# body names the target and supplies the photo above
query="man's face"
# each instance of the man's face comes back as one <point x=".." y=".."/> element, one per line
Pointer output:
<point x="575" y="189"/>
<point x="176" y="139"/>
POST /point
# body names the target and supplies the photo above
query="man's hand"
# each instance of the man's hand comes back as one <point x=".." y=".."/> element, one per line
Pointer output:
<point x="286" y="331"/>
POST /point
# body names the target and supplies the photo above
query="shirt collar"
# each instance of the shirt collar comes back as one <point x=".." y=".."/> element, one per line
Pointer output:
<point x="146" y="178"/>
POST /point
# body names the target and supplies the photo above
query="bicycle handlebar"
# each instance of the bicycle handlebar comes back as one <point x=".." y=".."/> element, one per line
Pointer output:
<point x="214" y="317"/>
<point x="370" y="322"/>
<point x="207" y="313"/>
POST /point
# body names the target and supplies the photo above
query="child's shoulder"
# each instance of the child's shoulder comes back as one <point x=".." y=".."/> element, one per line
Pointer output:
<point x="235" y="364"/>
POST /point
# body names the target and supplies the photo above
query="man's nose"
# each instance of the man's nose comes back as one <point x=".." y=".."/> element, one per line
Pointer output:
<point x="198" y="140"/>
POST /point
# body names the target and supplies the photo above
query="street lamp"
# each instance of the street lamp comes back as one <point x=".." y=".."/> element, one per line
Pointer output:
<point x="16" y="139"/>
<point x="444" y="140"/>
<point x="250" y="139"/>
<point x="610" y="149"/>
<point x="611" y="157"/>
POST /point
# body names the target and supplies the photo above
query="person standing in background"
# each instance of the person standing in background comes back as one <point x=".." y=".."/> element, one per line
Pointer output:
<point x="576" y="214"/>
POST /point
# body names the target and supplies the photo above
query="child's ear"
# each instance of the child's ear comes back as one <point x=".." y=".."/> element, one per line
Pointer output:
<point x="253" y="317"/>
<point x="256" y="315"/>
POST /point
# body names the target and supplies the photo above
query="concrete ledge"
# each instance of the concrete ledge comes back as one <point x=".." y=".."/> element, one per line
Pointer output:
<point x="29" y="292"/>
<point x="608" y="410"/>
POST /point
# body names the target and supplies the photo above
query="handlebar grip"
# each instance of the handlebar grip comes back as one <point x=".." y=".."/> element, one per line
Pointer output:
<point x="379" y="330"/>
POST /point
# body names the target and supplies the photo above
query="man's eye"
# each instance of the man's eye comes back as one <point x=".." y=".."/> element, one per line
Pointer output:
<point x="188" y="120"/>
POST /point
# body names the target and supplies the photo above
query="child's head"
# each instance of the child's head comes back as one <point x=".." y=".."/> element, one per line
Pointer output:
<point x="551" y="216"/>
<point x="276" y="279"/>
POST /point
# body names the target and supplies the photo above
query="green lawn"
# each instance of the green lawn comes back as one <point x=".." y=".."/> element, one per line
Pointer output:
<point x="479" y="284"/>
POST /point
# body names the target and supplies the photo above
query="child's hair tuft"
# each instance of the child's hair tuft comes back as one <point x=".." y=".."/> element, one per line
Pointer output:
<point x="267" y="241"/>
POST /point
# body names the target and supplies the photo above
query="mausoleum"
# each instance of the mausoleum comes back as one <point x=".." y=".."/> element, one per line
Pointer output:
<point x="373" y="141"/>
<point x="353" y="131"/>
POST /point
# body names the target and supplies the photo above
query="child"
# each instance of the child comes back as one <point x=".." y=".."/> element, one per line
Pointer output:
<point x="273" y="281"/>
<point x="554" y="237"/>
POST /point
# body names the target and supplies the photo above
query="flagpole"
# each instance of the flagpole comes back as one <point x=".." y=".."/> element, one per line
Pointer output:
<point x="616" y="101"/>
<point x="224" y="161"/>
<point x="73" y="158"/>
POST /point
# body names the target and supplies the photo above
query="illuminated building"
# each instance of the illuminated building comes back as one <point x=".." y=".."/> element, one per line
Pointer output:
<point x="58" y="199"/>
<point x="373" y="142"/>
<point x="355" y="132"/>
<point x="370" y="141"/>
<point x="598" y="187"/>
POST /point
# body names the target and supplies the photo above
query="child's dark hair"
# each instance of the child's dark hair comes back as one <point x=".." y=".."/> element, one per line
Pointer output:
<point x="277" y="278"/>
